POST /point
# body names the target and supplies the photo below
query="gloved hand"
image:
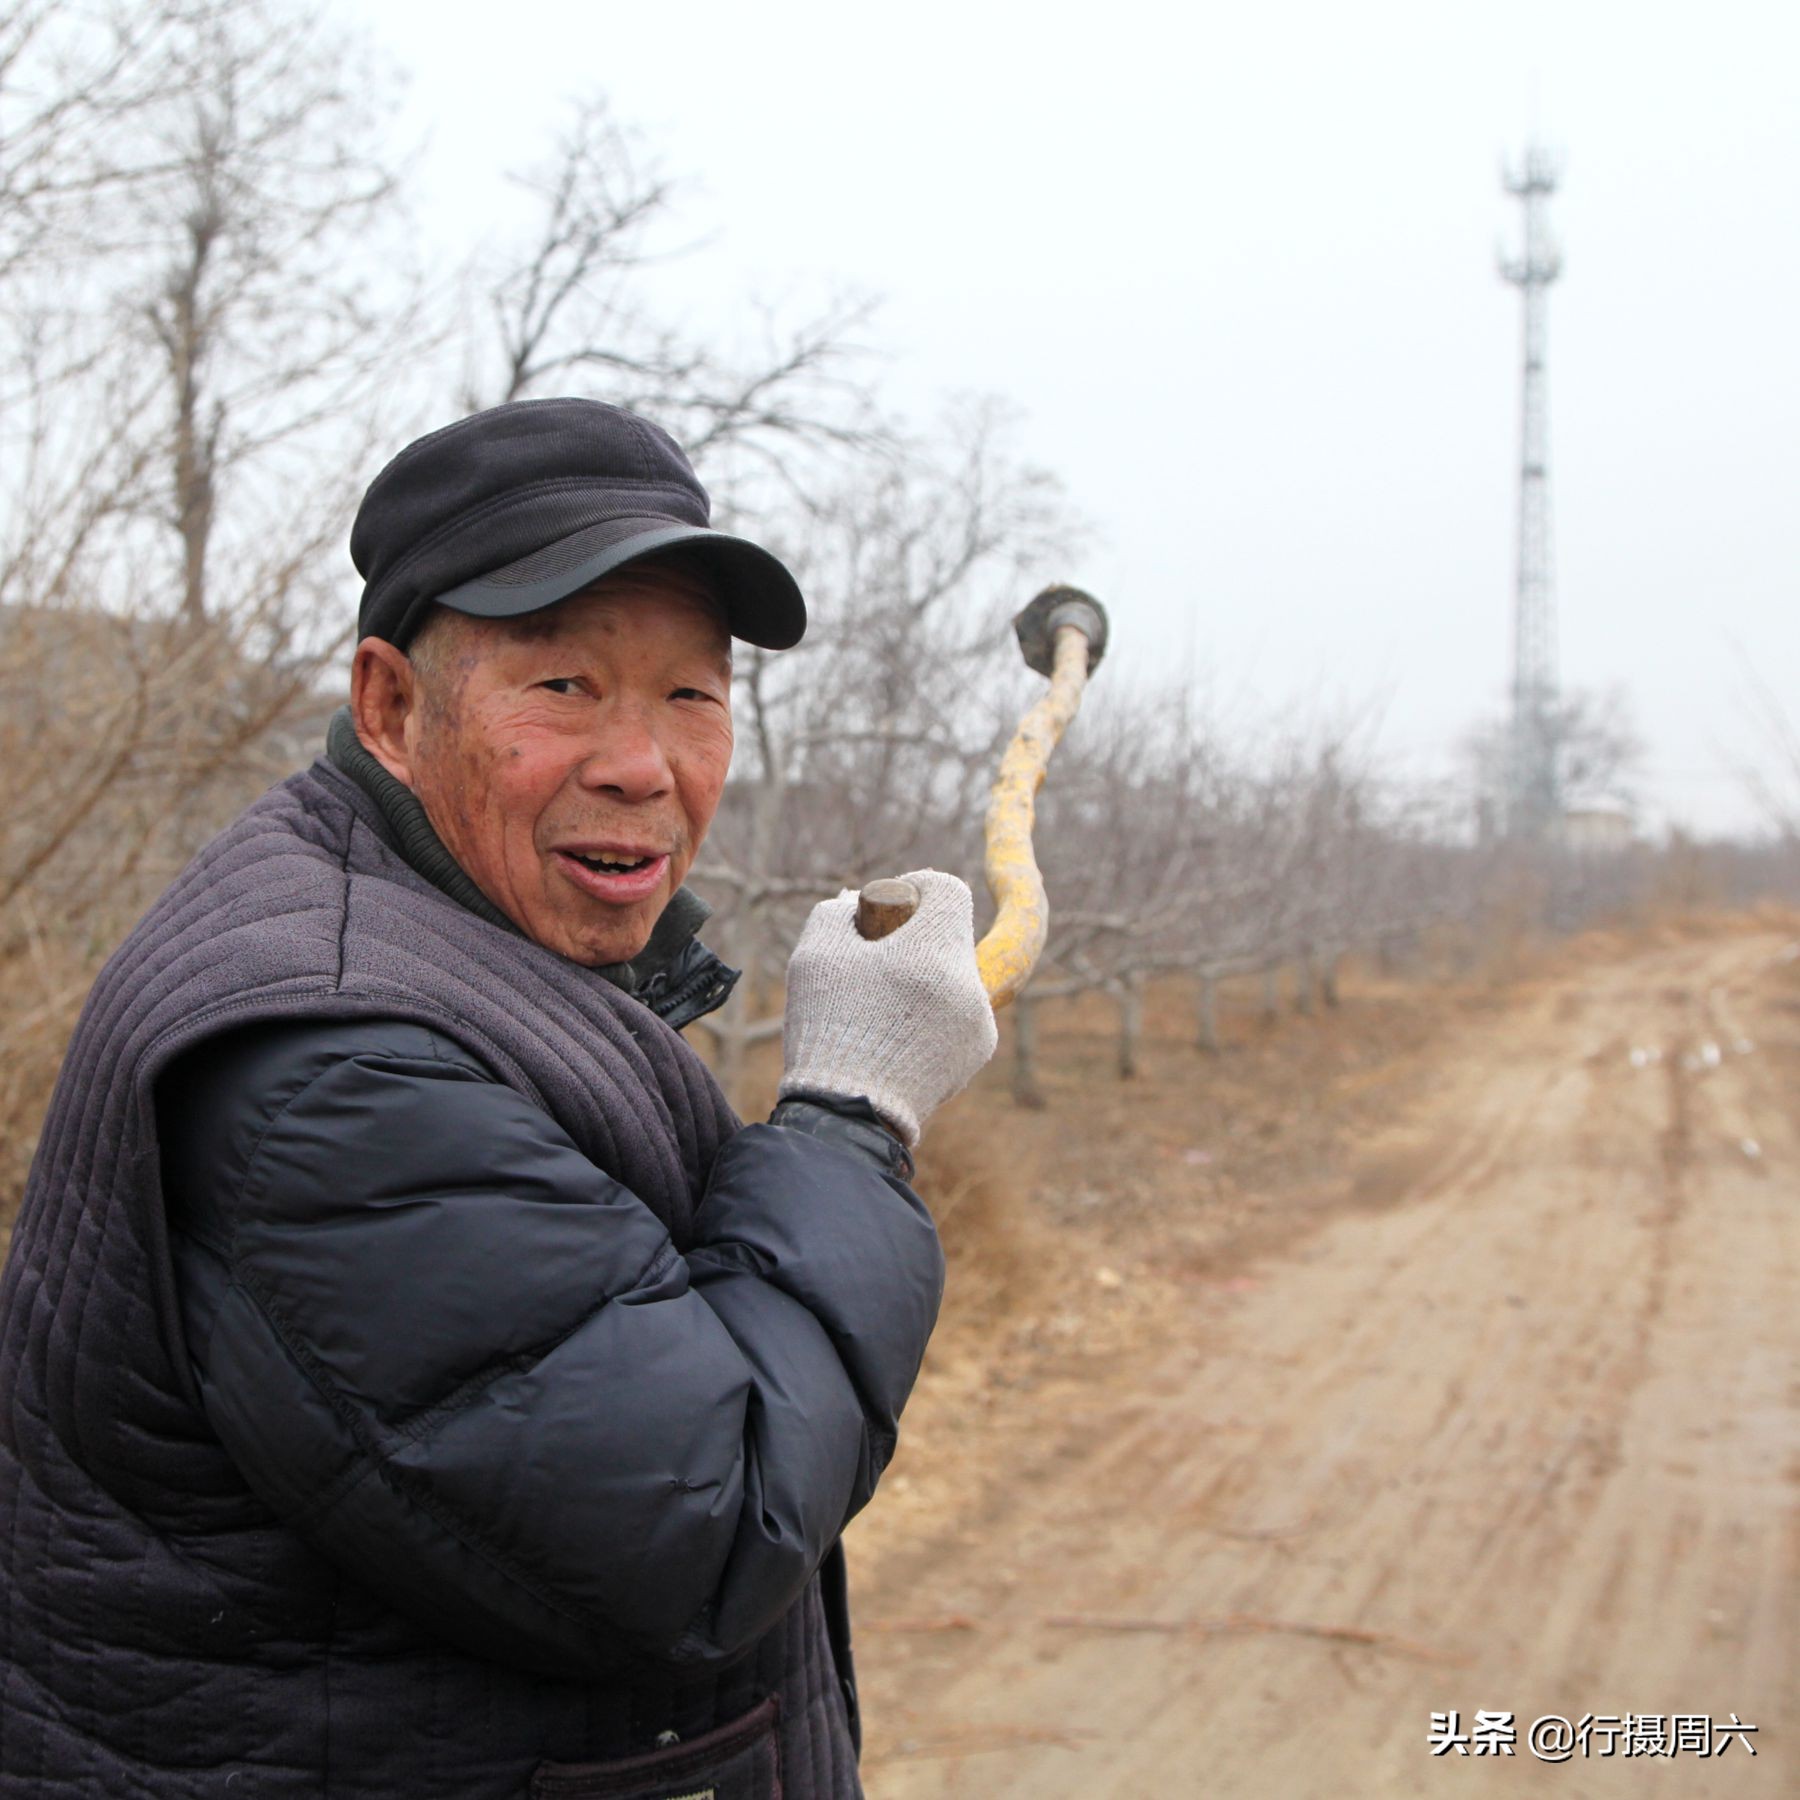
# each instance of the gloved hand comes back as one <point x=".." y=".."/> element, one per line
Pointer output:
<point x="903" y="1021"/>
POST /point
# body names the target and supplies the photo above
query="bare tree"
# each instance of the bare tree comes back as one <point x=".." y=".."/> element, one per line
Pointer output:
<point x="195" y="343"/>
<point x="1595" y="746"/>
<point x="271" y="339"/>
<point x="191" y="361"/>
<point x="186" y="188"/>
<point x="68" y="86"/>
<point x="567" y="311"/>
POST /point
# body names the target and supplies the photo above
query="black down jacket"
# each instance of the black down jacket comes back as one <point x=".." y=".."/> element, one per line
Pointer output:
<point x="414" y="1380"/>
<point x="389" y="1260"/>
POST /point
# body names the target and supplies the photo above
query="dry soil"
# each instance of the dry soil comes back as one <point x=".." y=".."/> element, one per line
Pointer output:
<point x="1422" y="1357"/>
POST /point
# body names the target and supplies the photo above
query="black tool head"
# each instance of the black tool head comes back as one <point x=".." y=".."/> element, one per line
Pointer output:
<point x="1054" y="608"/>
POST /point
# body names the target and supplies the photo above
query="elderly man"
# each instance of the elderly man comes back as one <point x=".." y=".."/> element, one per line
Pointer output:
<point x="416" y="1381"/>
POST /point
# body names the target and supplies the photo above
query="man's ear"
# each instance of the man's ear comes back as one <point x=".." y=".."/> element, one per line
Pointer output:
<point x="384" y="697"/>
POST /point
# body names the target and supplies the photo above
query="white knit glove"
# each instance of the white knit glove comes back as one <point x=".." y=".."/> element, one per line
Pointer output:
<point x="903" y="1021"/>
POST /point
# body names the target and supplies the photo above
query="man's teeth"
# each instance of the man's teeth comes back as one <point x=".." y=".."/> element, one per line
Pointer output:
<point x="607" y="859"/>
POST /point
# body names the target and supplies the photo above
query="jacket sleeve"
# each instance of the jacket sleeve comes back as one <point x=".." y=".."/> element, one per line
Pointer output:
<point x="475" y="1372"/>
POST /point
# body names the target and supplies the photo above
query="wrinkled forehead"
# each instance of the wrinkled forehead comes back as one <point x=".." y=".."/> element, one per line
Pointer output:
<point x="666" y="591"/>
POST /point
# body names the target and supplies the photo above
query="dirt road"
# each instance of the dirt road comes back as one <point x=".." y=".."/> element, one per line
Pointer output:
<point x="1521" y="1404"/>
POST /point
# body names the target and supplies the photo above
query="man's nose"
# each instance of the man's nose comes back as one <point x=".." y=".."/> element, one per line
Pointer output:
<point x="627" y="759"/>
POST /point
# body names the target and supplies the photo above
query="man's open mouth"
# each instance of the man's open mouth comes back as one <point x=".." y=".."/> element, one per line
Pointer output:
<point x="618" y="877"/>
<point x="608" y="864"/>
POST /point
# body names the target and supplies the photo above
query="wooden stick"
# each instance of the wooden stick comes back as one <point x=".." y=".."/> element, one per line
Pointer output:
<point x="1062" y="634"/>
<point x="1010" y="950"/>
<point x="884" y="906"/>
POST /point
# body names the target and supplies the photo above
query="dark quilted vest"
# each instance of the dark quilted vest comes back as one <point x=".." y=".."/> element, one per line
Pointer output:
<point x="160" y="1632"/>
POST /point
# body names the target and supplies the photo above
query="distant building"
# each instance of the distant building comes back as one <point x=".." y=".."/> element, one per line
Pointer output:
<point x="1596" y="830"/>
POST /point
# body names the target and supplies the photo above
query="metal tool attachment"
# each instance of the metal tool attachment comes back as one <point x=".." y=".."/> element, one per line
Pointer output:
<point x="1054" y="608"/>
<point x="1062" y="634"/>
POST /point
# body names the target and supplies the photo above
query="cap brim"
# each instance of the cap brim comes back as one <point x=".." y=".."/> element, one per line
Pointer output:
<point x="763" y="603"/>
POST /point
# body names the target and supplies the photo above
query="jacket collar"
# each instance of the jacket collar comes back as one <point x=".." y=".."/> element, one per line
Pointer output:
<point x="675" y="975"/>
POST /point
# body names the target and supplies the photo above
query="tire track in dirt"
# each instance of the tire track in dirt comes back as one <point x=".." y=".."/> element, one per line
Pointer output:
<point x="1524" y="1409"/>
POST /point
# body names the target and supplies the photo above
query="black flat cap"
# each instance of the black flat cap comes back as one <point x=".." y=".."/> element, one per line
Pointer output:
<point x="518" y="507"/>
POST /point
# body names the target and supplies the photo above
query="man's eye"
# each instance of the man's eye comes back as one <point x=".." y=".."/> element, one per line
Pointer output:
<point x="690" y="694"/>
<point x="561" y="684"/>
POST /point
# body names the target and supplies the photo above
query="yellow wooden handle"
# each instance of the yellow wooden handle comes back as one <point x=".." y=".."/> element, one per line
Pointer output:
<point x="1009" y="952"/>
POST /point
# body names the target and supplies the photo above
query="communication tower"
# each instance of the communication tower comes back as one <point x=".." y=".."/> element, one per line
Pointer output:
<point x="1532" y="798"/>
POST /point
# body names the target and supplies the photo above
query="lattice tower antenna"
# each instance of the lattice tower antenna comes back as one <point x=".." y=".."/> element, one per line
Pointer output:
<point x="1532" y="799"/>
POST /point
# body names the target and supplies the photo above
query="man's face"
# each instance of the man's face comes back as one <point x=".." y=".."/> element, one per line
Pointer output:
<point x="571" y="760"/>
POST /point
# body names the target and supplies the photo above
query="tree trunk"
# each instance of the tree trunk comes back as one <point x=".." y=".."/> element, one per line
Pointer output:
<point x="187" y="333"/>
<point x="1303" y="983"/>
<point x="1271" y="995"/>
<point x="739" y="944"/>
<point x="1328" y="981"/>
<point x="1026" y="1091"/>
<point x="1208" y="1010"/>
<point x="1131" y="1024"/>
<point x="747" y="936"/>
<point x="1398" y="950"/>
<point x="734" y="1048"/>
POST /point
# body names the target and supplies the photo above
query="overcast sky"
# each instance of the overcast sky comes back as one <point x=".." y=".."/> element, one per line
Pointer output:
<point x="1235" y="266"/>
